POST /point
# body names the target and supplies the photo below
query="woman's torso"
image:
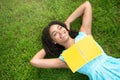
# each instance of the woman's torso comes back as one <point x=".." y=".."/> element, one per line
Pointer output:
<point x="98" y="68"/>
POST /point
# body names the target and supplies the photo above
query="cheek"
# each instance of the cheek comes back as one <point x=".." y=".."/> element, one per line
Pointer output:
<point x="56" y="38"/>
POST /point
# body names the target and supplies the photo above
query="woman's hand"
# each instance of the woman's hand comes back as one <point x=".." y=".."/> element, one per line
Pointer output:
<point x="68" y="25"/>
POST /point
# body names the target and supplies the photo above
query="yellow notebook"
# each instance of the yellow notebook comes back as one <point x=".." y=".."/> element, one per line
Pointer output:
<point x="81" y="52"/>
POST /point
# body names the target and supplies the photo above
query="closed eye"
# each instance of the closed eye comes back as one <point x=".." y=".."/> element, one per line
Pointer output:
<point x="59" y="27"/>
<point x="54" y="33"/>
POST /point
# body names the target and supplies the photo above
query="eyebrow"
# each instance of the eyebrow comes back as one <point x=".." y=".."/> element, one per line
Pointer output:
<point x="54" y="31"/>
<point x="58" y="26"/>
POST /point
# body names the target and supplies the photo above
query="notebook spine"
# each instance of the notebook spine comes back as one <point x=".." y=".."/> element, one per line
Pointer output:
<point x="81" y="52"/>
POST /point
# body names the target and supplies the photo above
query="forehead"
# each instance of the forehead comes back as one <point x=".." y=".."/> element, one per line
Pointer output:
<point x="53" y="27"/>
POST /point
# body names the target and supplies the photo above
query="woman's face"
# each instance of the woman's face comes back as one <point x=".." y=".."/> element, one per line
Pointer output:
<point x="59" y="34"/>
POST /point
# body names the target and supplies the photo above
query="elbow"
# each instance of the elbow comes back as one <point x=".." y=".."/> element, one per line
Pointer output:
<point x="32" y="62"/>
<point x="36" y="63"/>
<point x="88" y="4"/>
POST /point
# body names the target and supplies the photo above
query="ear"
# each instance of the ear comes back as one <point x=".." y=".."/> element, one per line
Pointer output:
<point x="54" y="42"/>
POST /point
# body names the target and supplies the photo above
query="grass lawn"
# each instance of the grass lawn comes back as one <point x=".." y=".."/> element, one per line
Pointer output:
<point x="21" y="24"/>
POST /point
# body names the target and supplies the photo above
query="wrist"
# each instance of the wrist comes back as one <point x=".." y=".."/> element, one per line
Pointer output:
<point x="67" y="22"/>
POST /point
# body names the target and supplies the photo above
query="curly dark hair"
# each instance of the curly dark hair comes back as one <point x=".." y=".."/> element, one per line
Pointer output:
<point x="48" y="44"/>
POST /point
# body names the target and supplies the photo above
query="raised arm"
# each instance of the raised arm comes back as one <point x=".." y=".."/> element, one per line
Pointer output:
<point x="39" y="61"/>
<point x="86" y="10"/>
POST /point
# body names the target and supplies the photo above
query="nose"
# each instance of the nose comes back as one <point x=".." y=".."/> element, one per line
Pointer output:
<point x="60" y="31"/>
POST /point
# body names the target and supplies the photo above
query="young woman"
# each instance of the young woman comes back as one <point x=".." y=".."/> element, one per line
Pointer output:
<point x="58" y="37"/>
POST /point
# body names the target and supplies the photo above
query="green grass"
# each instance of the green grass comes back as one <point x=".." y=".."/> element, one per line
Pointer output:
<point x="21" y="24"/>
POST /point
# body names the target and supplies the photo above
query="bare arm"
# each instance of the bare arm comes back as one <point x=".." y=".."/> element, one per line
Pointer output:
<point x="39" y="61"/>
<point x="86" y="10"/>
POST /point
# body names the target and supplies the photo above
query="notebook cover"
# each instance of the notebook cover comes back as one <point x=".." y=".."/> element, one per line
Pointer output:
<point x="81" y="52"/>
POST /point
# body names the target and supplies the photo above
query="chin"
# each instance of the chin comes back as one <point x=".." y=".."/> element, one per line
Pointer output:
<point x="66" y="39"/>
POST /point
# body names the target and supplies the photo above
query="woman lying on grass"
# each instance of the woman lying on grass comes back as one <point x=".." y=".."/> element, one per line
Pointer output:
<point x="57" y="37"/>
